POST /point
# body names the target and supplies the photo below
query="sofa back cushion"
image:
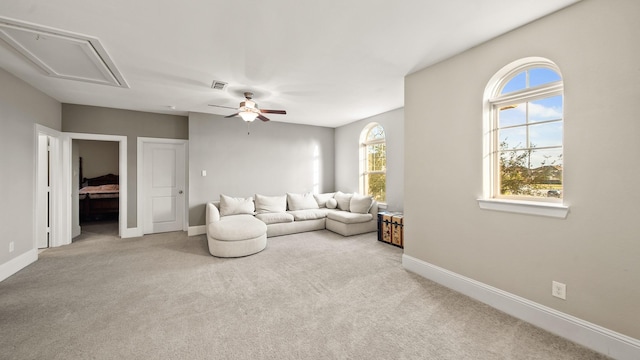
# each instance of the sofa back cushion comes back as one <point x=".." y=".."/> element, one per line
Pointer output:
<point x="232" y="206"/>
<point x="343" y="200"/>
<point x="301" y="201"/>
<point x="321" y="199"/>
<point x="270" y="204"/>
<point x="360" y="204"/>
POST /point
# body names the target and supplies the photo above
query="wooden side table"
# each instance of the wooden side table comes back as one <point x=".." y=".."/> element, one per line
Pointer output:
<point x="390" y="228"/>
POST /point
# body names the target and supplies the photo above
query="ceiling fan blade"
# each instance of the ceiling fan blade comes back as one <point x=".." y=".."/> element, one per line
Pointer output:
<point x="226" y="107"/>
<point x="283" y="112"/>
<point x="232" y="115"/>
<point x="263" y="118"/>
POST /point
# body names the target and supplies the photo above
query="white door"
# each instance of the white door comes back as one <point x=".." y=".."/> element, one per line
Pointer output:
<point x="163" y="187"/>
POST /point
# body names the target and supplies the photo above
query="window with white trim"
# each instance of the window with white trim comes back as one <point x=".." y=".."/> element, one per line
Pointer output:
<point x="373" y="162"/>
<point x="524" y="133"/>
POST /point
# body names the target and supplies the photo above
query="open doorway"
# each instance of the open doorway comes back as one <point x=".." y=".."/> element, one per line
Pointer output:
<point x="57" y="182"/>
<point x="73" y="181"/>
<point x="95" y="189"/>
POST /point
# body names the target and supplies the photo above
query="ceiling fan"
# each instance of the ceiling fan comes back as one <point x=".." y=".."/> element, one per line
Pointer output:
<point x="249" y="110"/>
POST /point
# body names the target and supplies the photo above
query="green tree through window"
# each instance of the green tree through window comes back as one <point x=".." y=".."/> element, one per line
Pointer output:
<point x="528" y="133"/>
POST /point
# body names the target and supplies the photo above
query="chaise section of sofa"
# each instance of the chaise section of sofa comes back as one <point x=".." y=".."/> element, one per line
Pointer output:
<point x="354" y="214"/>
<point x="234" y="235"/>
<point x="347" y="224"/>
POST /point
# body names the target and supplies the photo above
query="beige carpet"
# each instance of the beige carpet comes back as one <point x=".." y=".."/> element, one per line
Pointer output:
<point x="315" y="295"/>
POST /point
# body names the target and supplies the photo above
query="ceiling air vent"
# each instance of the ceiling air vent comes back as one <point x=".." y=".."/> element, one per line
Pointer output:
<point x="218" y="85"/>
<point x="60" y="53"/>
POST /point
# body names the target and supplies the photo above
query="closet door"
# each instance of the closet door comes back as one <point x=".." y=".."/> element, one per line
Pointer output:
<point x="163" y="187"/>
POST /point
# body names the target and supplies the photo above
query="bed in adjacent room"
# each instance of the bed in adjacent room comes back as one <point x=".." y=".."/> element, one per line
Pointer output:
<point x="99" y="197"/>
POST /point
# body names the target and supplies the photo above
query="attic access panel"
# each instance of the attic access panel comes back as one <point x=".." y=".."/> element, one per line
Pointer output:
<point x="62" y="54"/>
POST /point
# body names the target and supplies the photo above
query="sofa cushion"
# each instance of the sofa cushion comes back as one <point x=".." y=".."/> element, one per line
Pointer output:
<point x="232" y="206"/>
<point x="321" y="199"/>
<point x="360" y="203"/>
<point x="275" y="217"/>
<point x="343" y="200"/>
<point x="309" y="214"/>
<point x="237" y="227"/>
<point x="332" y="204"/>
<point x="301" y="201"/>
<point x="271" y="204"/>
<point x="347" y="217"/>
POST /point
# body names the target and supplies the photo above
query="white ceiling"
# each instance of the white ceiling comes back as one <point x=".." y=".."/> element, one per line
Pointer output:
<point x="327" y="62"/>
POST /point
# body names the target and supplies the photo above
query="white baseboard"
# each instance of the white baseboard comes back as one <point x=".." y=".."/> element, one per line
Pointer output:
<point x="131" y="232"/>
<point x="595" y="337"/>
<point x="137" y="232"/>
<point x="16" y="264"/>
<point x="197" y="230"/>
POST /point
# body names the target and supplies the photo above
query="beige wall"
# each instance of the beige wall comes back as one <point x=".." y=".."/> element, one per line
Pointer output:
<point x="21" y="107"/>
<point x="98" y="157"/>
<point x="132" y="124"/>
<point x="596" y="250"/>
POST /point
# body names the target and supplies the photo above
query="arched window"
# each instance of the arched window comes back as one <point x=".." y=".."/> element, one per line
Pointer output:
<point x="373" y="162"/>
<point x="524" y="119"/>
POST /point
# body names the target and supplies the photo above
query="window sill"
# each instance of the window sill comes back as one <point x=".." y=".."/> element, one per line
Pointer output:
<point x="553" y="210"/>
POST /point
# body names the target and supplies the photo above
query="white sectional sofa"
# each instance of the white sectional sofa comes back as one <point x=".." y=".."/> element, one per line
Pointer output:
<point x="232" y="229"/>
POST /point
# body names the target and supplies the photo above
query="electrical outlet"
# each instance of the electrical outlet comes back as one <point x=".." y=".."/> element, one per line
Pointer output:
<point x="559" y="290"/>
<point x="11" y="247"/>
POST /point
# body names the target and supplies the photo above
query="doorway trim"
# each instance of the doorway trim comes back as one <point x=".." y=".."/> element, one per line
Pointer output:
<point x="140" y="170"/>
<point x="123" y="230"/>
<point x="57" y="233"/>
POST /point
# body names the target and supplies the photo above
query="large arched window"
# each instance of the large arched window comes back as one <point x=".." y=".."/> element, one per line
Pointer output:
<point x="524" y="118"/>
<point x="373" y="162"/>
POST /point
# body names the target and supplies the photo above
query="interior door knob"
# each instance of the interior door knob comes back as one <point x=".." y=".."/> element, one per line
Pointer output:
<point x="180" y="192"/>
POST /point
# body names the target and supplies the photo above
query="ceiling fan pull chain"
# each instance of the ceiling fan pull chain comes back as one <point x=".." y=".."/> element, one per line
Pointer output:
<point x="247" y="127"/>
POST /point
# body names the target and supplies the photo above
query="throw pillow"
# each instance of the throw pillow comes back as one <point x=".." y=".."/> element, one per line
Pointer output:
<point x="360" y="204"/>
<point x="301" y="201"/>
<point x="343" y="200"/>
<point x="332" y="203"/>
<point x="270" y="204"/>
<point x="232" y="206"/>
<point x="321" y="199"/>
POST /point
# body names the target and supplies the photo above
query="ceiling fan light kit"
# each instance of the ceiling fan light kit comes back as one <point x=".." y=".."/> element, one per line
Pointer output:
<point x="249" y="111"/>
<point x="248" y="116"/>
